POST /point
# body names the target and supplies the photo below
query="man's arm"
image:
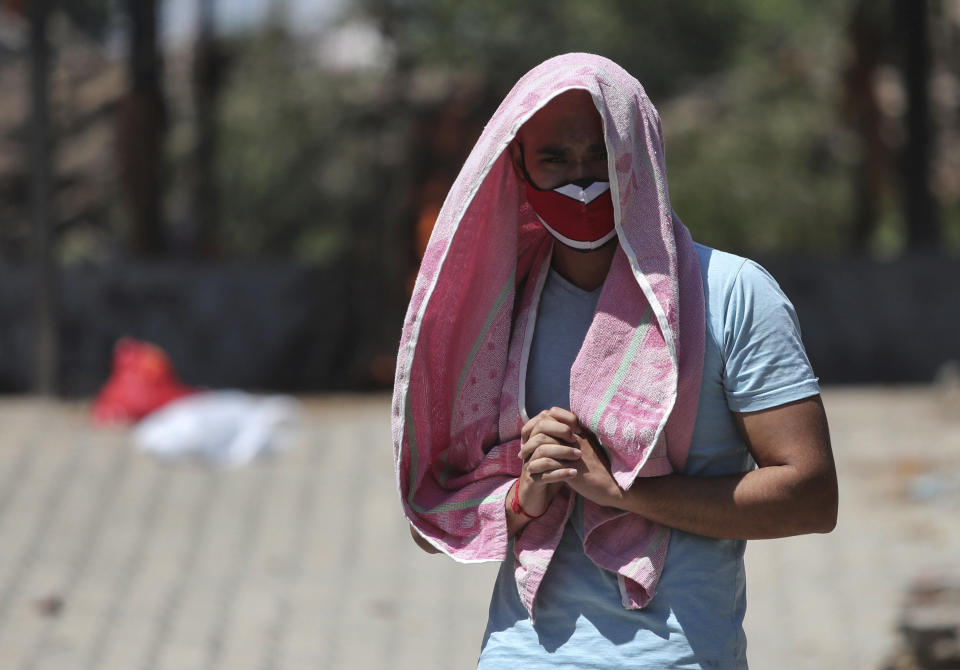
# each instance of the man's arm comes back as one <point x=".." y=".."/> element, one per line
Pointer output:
<point x="421" y="542"/>
<point x="794" y="490"/>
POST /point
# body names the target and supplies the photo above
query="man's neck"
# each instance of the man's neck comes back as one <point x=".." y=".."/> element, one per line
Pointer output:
<point x="586" y="270"/>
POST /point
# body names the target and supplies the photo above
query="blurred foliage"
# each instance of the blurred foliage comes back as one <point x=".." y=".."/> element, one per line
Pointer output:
<point x="760" y="156"/>
<point x="758" y="160"/>
<point x="304" y="152"/>
<point x="91" y="16"/>
<point x="665" y="48"/>
<point x="284" y="168"/>
<point x="330" y="147"/>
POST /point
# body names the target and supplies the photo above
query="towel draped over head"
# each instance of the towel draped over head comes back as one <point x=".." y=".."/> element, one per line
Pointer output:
<point x="458" y="404"/>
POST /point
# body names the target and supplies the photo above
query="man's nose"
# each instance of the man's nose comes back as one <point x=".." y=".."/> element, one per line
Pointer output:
<point x="578" y="173"/>
<point x="582" y="172"/>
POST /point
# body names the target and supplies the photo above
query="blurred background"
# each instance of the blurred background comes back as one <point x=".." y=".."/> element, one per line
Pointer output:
<point x="249" y="183"/>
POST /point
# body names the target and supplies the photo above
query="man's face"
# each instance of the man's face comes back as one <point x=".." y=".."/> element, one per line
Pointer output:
<point x="561" y="143"/>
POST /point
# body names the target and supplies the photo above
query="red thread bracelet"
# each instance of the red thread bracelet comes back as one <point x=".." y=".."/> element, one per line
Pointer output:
<point x="515" y="505"/>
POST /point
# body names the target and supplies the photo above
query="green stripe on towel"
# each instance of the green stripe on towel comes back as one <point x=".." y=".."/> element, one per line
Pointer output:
<point x="455" y="506"/>
<point x="638" y="336"/>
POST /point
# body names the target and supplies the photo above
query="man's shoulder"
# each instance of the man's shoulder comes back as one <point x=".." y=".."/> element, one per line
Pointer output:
<point x="733" y="284"/>
<point x="719" y="269"/>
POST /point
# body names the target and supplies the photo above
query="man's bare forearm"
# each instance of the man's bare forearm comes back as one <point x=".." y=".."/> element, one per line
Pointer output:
<point x="765" y="503"/>
<point x="794" y="491"/>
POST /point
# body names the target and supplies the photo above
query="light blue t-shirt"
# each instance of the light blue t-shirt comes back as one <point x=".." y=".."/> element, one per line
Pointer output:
<point x="754" y="359"/>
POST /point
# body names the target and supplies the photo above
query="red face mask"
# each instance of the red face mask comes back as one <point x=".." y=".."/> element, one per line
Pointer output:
<point x="579" y="213"/>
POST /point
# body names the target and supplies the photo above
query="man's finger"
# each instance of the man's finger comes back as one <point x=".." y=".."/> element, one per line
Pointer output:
<point x="541" y="465"/>
<point x="552" y="417"/>
<point x="564" y="416"/>
<point x="546" y="445"/>
<point x="527" y="447"/>
<point x="554" y="453"/>
<point x="556" y="476"/>
<point x="553" y="427"/>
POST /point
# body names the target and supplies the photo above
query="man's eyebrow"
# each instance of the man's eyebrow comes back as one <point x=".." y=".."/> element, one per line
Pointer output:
<point x="557" y="150"/>
<point x="552" y="150"/>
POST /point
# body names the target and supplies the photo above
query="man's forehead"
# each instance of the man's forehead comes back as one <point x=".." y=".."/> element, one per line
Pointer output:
<point x="569" y="112"/>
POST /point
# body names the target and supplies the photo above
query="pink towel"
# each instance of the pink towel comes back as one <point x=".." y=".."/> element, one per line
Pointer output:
<point x="458" y="403"/>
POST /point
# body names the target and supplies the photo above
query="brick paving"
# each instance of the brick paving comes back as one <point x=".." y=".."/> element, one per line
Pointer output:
<point x="113" y="560"/>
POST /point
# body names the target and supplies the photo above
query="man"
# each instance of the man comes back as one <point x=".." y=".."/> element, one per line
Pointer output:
<point x="634" y="378"/>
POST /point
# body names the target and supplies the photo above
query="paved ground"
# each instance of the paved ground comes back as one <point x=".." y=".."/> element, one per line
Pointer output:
<point x="111" y="560"/>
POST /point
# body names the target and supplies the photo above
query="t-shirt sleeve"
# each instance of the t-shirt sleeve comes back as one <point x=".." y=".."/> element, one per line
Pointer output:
<point x="765" y="363"/>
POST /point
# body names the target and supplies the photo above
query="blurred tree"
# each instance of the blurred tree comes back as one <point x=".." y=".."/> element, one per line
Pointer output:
<point x="141" y="130"/>
<point x="866" y="29"/>
<point x="45" y="301"/>
<point x="208" y="70"/>
<point x="923" y="233"/>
